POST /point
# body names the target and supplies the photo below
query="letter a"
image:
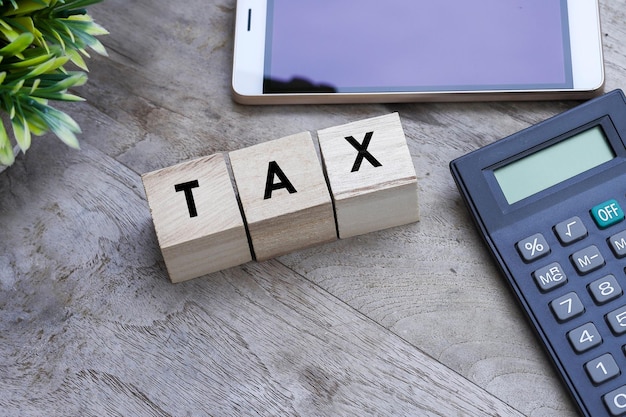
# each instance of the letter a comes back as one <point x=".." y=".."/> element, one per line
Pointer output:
<point x="274" y="170"/>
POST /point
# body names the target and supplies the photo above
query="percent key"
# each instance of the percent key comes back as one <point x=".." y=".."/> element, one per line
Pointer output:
<point x="533" y="247"/>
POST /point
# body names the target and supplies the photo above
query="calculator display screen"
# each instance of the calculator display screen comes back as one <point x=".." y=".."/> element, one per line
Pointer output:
<point x="554" y="164"/>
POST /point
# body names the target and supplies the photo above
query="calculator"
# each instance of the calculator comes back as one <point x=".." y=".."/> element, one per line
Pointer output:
<point x="549" y="202"/>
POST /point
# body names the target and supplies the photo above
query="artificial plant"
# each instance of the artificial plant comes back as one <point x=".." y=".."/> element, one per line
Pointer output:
<point x="38" y="38"/>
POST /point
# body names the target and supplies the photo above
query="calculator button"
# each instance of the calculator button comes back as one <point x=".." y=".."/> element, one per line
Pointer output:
<point x="588" y="259"/>
<point x="607" y="214"/>
<point x="617" y="320"/>
<point x="533" y="247"/>
<point x="618" y="244"/>
<point x="550" y="277"/>
<point x="570" y="230"/>
<point x="605" y="289"/>
<point x="567" y="307"/>
<point x="584" y="337"/>
<point x="602" y="369"/>
<point x="615" y="401"/>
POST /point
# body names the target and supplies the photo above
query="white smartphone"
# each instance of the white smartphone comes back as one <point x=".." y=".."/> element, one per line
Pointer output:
<point x="355" y="51"/>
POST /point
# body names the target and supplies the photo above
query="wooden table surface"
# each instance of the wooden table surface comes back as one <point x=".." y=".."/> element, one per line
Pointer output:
<point x="413" y="320"/>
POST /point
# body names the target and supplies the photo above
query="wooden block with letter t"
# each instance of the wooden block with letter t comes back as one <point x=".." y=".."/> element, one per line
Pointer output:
<point x="284" y="195"/>
<point x="371" y="175"/>
<point x="197" y="219"/>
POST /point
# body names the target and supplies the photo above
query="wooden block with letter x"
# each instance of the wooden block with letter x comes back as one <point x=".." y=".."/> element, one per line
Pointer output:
<point x="284" y="195"/>
<point x="197" y="219"/>
<point x="371" y="175"/>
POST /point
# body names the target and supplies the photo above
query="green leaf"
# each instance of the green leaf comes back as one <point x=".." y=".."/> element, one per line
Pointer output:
<point x="75" y="5"/>
<point x="21" y="131"/>
<point x="5" y="25"/>
<point x="6" y="156"/>
<point x="59" y="36"/>
<point x="58" y="96"/>
<point x="8" y="104"/>
<point x="37" y="60"/>
<point x="13" y="4"/>
<point x="6" y="150"/>
<point x="86" y="24"/>
<point x="90" y="41"/>
<point x="25" y="24"/>
<point x="35" y="85"/>
<point x="92" y="28"/>
<point x="16" y="87"/>
<point x="18" y="45"/>
<point x="47" y="66"/>
<point x="36" y="125"/>
<point x="27" y="7"/>
<point x="67" y="136"/>
<point x="61" y="125"/>
<point x="77" y="59"/>
<point x="74" y="79"/>
<point x="10" y="34"/>
<point x="97" y="46"/>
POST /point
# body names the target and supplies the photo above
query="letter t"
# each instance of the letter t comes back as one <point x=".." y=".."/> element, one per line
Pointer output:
<point x="187" y="187"/>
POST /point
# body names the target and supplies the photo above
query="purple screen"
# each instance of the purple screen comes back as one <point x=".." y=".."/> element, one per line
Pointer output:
<point x="406" y="45"/>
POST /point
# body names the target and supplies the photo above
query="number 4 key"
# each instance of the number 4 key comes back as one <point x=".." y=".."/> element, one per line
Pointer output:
<point x="584" y="337"/>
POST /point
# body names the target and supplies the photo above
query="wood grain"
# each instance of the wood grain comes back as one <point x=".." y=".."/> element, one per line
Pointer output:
<point x="284" y="195"/>
<point x="371" y="175"/>
<point x="196" y="216"/>
<point x="91" y="327"/>
<point x="389" y="323"/>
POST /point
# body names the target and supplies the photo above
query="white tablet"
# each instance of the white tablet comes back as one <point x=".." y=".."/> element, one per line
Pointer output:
<point x="352" y="51"/>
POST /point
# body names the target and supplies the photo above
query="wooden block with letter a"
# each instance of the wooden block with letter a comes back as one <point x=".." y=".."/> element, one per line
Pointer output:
<point x="284" y="195"/>
<point x="371" y="175"/>
<point x="197" y="219"/>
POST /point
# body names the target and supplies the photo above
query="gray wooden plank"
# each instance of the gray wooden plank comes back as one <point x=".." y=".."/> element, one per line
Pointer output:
<point x="89" y="324"/>
<point x="163" y="96"/>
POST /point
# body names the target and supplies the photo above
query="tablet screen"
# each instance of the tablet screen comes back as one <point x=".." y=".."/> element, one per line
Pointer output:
<point x="402" y="45"/>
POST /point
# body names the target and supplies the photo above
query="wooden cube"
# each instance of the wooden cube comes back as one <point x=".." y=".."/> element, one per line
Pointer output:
<point x="197" y="219"/>
<point x="371" y="175"/>
<point x="284" y="195"/>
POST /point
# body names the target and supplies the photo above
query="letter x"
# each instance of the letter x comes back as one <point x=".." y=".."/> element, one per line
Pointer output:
<point x="363" y="153"/>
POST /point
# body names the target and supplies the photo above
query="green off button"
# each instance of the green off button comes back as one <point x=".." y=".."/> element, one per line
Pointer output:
<point x="607" y="214"/>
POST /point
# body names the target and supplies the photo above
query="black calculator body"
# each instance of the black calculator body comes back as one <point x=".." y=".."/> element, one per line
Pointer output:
<point x="549" y="202"/>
